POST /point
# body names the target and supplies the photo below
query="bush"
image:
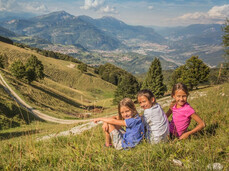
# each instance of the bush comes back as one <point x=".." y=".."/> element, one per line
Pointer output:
<point x="33" y="69"/>
<point x="18" y="69"/>
<point x="82" y="67"/>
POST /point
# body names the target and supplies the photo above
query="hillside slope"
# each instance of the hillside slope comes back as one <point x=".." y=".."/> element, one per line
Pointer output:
<point x="65" y="92"/>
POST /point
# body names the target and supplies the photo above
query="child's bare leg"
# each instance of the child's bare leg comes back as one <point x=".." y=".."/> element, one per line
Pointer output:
<point x="107" y="132"/>
<point x="107" y="139"/>
<point x="107" y="135"/>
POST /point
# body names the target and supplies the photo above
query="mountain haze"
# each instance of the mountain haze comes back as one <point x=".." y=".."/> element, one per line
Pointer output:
<point x="82" y="36"/>
<point x="123" y="31"/>
<point x="63" y="28"/>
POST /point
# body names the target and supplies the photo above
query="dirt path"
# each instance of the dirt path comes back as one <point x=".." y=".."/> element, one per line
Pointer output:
<point x="75" y="130"/>
<point x="35" y="112"/>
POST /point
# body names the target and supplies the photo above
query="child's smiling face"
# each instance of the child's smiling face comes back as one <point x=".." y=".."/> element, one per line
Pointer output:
<point x="144" y="102"/>
<point x="180" y="97"/>
<point x="126" y="112"/>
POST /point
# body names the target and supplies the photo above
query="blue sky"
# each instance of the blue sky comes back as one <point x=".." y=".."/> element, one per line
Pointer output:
<point x="134" y="12"/>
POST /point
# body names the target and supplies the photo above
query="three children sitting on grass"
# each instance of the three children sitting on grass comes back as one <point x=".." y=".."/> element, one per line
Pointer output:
<point x="153" y="124"/>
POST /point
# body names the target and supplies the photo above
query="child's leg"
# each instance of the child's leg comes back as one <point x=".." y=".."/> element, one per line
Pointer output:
<point x="107" y="128"/>
<point x="116" y="134"/>
<point x="107" y="139"/>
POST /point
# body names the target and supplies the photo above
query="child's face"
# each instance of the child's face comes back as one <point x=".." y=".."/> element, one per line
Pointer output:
<point x="180" y="97"/>
<point x="144" y="102"/>
<point x="126" y="112"/>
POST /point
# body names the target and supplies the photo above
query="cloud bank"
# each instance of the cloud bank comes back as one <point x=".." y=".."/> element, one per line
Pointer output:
<point x="216" y="14"/>
<point x="98" y="5"/>
<point x="15" y="6"/>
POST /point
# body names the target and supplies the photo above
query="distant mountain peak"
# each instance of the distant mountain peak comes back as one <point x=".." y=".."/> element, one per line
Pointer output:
<point x="109" y="18"/>
<point x="59" y="14"/>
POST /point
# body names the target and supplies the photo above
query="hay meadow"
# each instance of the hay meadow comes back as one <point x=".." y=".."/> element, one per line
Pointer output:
<point x="20" y="149"/>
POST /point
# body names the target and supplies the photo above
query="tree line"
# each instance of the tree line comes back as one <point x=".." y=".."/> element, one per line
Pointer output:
<point x="193" y="73"/>
<point x="49" y="53"/>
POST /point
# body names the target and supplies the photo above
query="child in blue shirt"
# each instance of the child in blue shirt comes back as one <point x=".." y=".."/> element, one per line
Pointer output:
<point x="129" y="118"/>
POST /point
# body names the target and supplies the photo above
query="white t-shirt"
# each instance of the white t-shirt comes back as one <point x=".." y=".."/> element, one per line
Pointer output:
<point x="156" y="122"/>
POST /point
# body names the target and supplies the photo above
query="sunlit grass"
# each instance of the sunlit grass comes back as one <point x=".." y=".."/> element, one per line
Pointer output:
<point x="65" y="92"/>
<point x="87" y="152"/>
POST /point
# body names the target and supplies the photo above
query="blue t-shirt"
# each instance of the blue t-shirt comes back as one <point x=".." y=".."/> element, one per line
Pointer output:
<point x="134" y="132"/>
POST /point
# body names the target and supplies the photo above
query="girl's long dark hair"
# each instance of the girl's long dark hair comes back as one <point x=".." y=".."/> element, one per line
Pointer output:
<point x="147" y="93"/>
<point x="179" y="86"/>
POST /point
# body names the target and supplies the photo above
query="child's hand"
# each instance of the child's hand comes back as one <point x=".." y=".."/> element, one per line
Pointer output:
<point x="172" y="104"/>
<point x="96" y="120"/>
<point x="184" y="136"/>
<point x="105" y="126"/>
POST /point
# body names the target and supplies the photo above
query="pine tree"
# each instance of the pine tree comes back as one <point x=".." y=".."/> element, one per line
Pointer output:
<point x="224" y="69"/>
<point x="128" y="87"/>
<point x="194" y="72"/>
<point x="154" y="79"/>
<point x="225" y="28"/>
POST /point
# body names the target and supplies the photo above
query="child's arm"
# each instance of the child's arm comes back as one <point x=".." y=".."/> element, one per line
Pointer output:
<point x="169" y="112"/>
<point x="200" y="126"/>
<point x="105" y="125"/>
<point x="111" y="121"/>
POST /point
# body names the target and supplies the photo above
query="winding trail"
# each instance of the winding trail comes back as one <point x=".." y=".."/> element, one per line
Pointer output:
<point x="165" y="101"/>
<point x="38" y="114"/>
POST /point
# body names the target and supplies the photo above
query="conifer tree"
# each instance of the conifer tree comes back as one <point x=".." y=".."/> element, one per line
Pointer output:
<point x="154" y="79"/>
<point x="224" y="68"/>
<point x="226" y="38"/>
<point x="194" y="72"/>
<point x="128" y="87"/>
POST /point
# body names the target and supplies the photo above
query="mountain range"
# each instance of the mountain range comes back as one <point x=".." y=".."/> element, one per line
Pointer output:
<point x="108" y="34"/>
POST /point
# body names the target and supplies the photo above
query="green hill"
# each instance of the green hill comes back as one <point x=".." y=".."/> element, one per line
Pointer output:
<point x="65" y="92"/>
<point x="11" y="114"/>
<point x="87" y="151"/>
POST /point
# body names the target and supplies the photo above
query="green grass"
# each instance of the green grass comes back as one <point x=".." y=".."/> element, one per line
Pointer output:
<point x="86" y="151"/>
<point x="65" y="92"/>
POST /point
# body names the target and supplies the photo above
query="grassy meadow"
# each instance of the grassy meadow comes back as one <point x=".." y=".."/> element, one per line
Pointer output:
<point x="87" y="152"/>
<point x="65" y="92"/>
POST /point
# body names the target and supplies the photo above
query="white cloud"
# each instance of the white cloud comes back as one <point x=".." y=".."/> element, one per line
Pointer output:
<point x="99" y="5"/>
<point x="35" y="7"/>
<point x="92" y="4"/>
<point x="219" y="12"/>
<point x="108" y="9"/>
<point x="150" y="7"/>
<point x="14" y="6"/>
<point x="7" y="5"/>
<point x="216" y="14"/>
